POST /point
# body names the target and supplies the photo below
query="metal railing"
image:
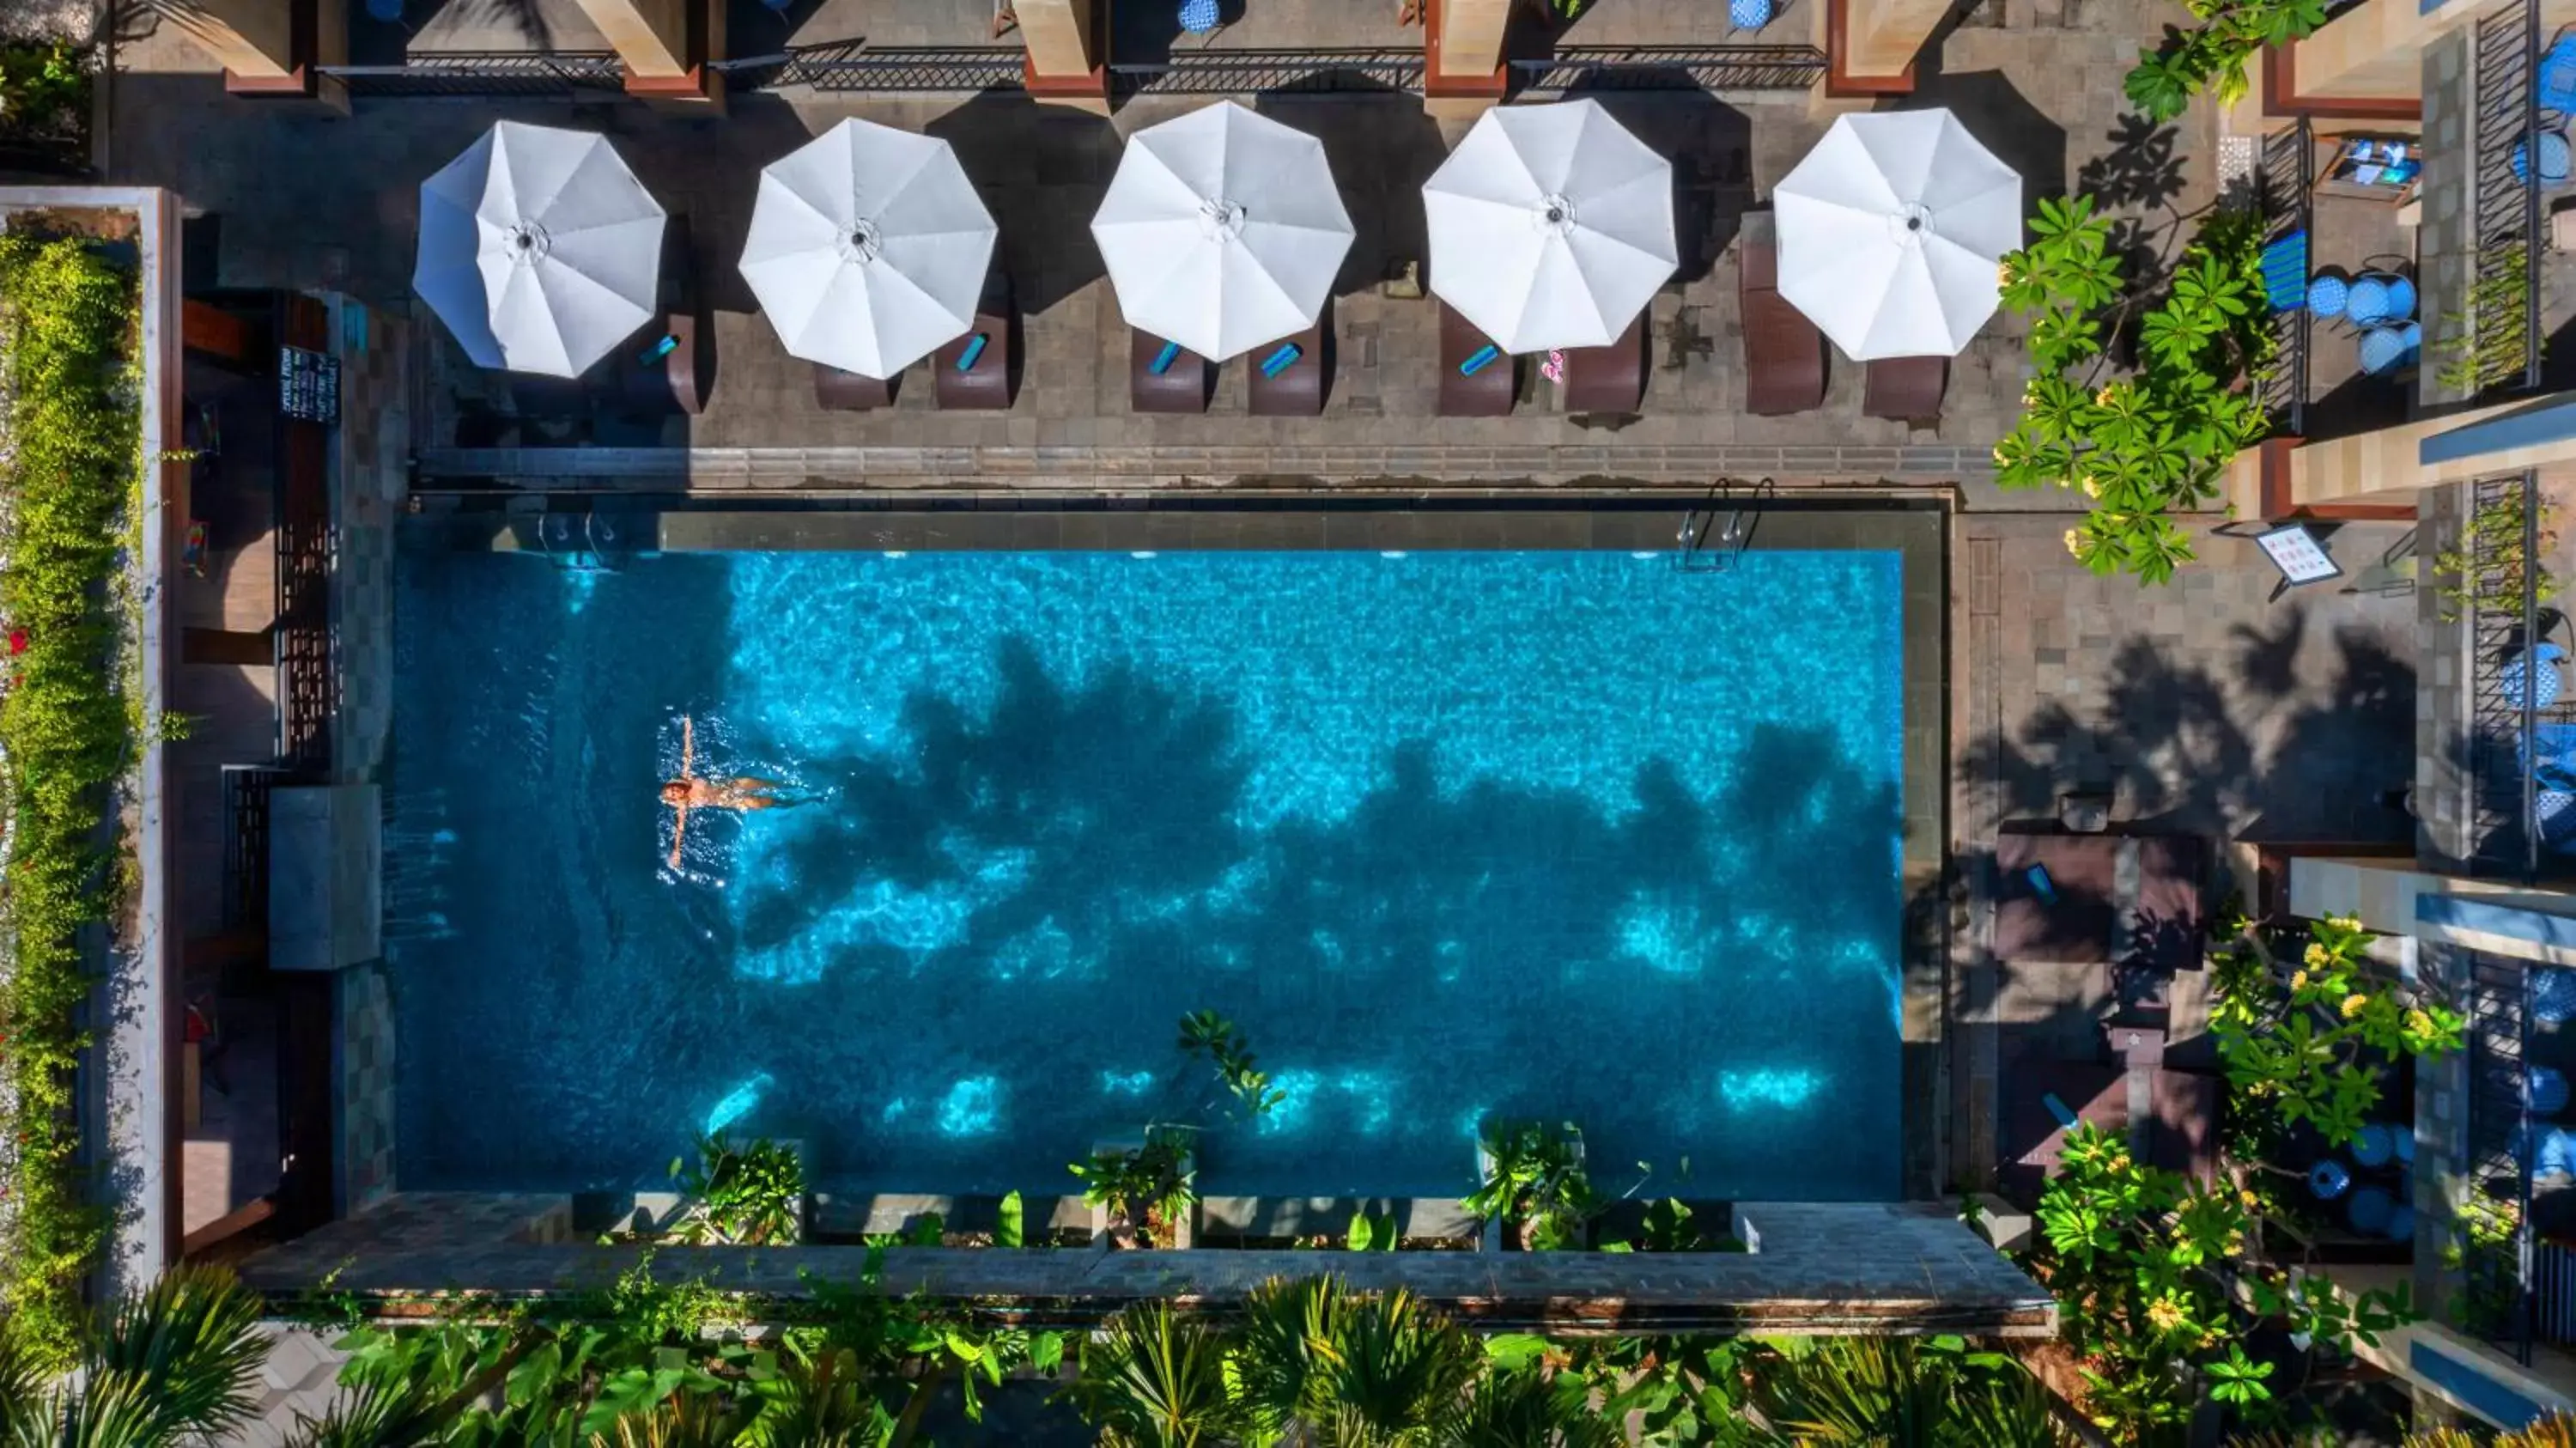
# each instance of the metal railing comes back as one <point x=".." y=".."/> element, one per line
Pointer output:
<point x="2501" y="583"/>
<point x="2284" y="179"/>
<point x="854" y="65"/>
<point x="486" y="73"/>
<point x="308" y="690"/>
<point x="1672" y="68"/>
<point x="1270" y="72"/>
<point x="2497" y="1260"/>
<point x="2503" y="310"/>
<point x="246" y="788"/>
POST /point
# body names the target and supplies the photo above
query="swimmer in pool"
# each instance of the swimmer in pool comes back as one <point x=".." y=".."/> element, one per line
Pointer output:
<point x="689" y="791"/>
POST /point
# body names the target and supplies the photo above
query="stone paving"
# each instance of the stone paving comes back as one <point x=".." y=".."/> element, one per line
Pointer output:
<point x="2206" y="708"/>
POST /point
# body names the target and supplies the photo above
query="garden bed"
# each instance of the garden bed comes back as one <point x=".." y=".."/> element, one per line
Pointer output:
<point x="70" y="453"/>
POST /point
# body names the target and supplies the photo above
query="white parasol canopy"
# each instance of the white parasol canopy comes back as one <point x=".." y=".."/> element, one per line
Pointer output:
<point x="538" y="249"/>
<point x="1551" y="226"/>
<point x="1222" y="230"/>
<point x="868" y="248"/>
<point x="1891" y="232"/>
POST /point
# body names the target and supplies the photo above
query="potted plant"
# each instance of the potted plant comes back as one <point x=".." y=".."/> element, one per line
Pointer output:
<point x="1141" y="1192"/>
<point x="1533" y="1182"/>
<point x="747" y="1195"/>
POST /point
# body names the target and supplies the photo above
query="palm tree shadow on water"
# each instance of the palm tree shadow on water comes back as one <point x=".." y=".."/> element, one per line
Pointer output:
<point x="996" y="921"/>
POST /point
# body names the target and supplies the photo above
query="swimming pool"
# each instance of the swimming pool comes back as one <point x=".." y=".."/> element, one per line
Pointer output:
<point x="1570" y="835"/>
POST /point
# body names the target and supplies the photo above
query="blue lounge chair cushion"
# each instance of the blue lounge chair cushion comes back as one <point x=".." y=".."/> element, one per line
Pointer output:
<point x="2556" y="75"/>
<point x="2285" y="272"/>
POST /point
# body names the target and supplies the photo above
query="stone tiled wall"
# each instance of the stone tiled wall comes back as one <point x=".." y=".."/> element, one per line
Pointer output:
<point x="368" y="484"/>
<point x="364" y="1024"/>
<point x="2445" y="788"/>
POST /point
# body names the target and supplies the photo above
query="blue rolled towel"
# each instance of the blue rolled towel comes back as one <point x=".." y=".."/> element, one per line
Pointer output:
<point x="974" y="349"/>
<point x="1483" y="358"/>
<point x="1281" y="360"/>
<point x="1164" y="359"/>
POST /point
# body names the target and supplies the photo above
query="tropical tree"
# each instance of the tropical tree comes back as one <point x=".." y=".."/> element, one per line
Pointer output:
<point x="176" y="1363"/>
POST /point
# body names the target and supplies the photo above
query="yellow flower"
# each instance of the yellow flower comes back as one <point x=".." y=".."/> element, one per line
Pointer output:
<point x="2419" y="1023"/>
<point x="2074" y="542"/>
<point x="2316" y="955"/>
<point x="2353" y="1004"/>
<point x="2298" y="980"/>
<point x="2092" y="489"/>
<point x="2344" y="922"/>
<point x="2103" y="397"/>
<point x="2246" y="1195"/>
<point x="2165" y="1315"/>
<point x="1999" y="452"/>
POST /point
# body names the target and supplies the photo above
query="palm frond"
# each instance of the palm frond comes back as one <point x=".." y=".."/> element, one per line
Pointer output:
<point x="1522" y="1409"/>
<point x="1396" y="1368"/>
<point x="1285" y="1346"/>
<point x="1155" y="1380"/>
<point x="193" y="1343"/>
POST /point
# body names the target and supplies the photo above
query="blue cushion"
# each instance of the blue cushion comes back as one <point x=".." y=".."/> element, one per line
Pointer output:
<point x="2367" y="302"/>
<point x="1748" y="14"/>
<point x="2557" y="76"/>
<point x="2327" y="294"/>
<point x="2381" y="349"/>
<point x="2285" y="272"/>
<point x="1198" y="17"/>
<point x="2401" y="298"/>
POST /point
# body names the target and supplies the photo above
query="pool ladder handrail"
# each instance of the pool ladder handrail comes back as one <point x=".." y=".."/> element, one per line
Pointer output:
<point x="1714" y="534"/>
<point x="589" y="557"/>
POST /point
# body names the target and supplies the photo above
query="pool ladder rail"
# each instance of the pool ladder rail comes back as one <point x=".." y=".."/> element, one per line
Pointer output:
<point x="1714" y="534"/>
<point x="583" y="547"/>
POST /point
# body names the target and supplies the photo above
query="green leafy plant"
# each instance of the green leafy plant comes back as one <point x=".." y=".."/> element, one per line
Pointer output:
<point x="1667" y="1228"/>
<point x="1010" y="1229"/>
<point x="2213" y="54"/>
<point x="1535" y="1183"/>
<point x="1934" y="1392"/>
<point x="2155" y="441"/>
<point x="1146" y="1190"/>
<point x="1208" y="1034"/>
<point x="66" y="331"/>
<point x="2488" y="342"/>
<point x="750" y="1195"/>
<point x="2496" y="530"/>
<point x="1152" y="1379"/>
<point x="176" y="1363"/>
<point x="1371" y="1232"/>
<point x="2147" y="1267"/>
<point x="44" y="89"/>
<point x="2303" y="1041"/>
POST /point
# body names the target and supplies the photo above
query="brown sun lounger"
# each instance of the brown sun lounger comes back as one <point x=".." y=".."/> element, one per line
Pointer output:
<point x="1298" y="389"/>
<point x="1784" y="354"/>
<point x="1489" y="393"/>
<point x="986" y="385"/>
<point x="1906" y="389"/>
<point x="839" y="391"/>
<point x="1608" y="379"/>
<point x="1182" y="387"/>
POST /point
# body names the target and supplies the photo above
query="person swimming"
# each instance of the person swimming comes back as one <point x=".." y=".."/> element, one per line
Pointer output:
<point x="692" y="791"/>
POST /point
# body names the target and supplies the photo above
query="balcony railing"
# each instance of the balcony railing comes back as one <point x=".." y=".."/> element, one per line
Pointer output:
<point x="1672" y="68"/>
<point x="2497" y="1259"/>
<point x="2284" y="180"/>
<point x="848" y="66"/>
<point x="2503" y="314"/>
<point x="2500" y="584"/>
<point x="486" y="73"/>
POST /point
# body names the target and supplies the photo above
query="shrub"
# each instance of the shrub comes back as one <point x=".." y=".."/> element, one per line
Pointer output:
<point x="2153" y="441"/>
<point x="66" y="321"/>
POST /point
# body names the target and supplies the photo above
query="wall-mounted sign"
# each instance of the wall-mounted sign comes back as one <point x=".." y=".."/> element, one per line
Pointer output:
<point x="308" y="385"/>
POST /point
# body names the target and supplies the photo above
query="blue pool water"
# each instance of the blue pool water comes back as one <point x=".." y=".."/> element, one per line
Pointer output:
<point x="1567" y="835"/>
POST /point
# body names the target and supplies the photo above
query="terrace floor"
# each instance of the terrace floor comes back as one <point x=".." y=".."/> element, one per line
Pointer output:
<point x="2209" y="708"/>
<point x="303" y="201"/>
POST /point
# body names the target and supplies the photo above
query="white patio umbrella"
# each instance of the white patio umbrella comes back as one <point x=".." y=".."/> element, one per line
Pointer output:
<point x="1551" y="226"/>
<point x="538" y="249"/>
<point x="1222" y="230"/>
<point x="868" y="248"/>
<point x="1891" y="231"/>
